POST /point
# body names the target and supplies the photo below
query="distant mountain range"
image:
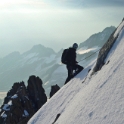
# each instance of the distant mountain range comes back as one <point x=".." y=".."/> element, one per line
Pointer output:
<point x="46" y="63"/>
<point x="97" y="39"/>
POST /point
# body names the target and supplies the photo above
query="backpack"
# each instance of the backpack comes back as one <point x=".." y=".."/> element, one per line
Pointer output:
<point x="64" y="58"/>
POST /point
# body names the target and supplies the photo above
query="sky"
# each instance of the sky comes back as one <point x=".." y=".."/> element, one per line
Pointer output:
<point x="56" y="24"/>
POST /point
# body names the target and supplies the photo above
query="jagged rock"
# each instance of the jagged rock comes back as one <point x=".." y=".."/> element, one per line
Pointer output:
<point x="13" y="91"/>
<point x="36" y="92"/>
<point x="15" y="105"/>
<point x="18" y="105"/>
<point x="58" y="115"/>
<point x="104" y="52"/>
<point x="54" y="89"/>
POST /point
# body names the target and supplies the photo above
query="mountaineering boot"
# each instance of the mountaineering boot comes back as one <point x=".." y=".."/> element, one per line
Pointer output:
<point x="78" y="70"/>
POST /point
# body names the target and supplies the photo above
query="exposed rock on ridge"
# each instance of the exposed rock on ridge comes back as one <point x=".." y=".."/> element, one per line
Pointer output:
<point x="36" y="92"/>
<point x="54" y="89"/>
<point x="21" y="103"/>
<point x="104" y="52"/>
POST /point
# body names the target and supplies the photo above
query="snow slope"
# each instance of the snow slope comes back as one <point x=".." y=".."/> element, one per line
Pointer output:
<point x="98" y="100"/>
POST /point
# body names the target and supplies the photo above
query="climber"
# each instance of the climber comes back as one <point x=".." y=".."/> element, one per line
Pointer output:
<point x="69" y="58"/>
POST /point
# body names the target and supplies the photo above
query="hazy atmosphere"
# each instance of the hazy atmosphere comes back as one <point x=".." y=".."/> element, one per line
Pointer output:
<point x="55" y="24"/>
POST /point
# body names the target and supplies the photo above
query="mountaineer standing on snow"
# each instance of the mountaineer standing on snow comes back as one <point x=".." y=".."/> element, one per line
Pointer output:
<point x="69" y="58"/>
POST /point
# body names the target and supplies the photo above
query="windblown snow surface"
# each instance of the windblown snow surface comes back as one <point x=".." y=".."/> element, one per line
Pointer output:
<point x="98" y="100"/>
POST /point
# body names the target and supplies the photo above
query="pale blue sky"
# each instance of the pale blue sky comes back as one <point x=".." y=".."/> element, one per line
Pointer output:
<point x="54" y="23"/>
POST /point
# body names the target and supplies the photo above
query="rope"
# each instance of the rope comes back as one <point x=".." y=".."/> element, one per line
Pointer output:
<point x="89" y="55"/>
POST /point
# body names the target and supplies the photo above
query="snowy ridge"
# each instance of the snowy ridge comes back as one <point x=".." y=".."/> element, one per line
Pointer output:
<point x="99" y="100"/>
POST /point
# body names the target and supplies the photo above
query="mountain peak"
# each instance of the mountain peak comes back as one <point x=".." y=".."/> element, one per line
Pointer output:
<point x="109" y="28"/>
<point x="98" y="39"/>
<point x="41" y="50"/>
<point x="38" y="46"/>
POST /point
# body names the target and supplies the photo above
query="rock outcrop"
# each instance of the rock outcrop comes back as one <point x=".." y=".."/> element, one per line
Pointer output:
<point x="54" y="89"/>
<point x="104" y="52"/>
<point x="22" y="102"/>
<point x="36" y="92"/>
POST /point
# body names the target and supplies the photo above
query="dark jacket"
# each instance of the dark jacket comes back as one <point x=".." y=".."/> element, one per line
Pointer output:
<point x="71" y="56"/>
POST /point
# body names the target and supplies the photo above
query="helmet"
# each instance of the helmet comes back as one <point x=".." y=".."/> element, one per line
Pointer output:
<point x="75" y="46"/>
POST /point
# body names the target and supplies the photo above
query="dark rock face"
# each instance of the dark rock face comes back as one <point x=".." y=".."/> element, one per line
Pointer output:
<point x="36" y="92"/>
<point x="54" y="89"/>
<point x="58" y="115"/>
<point x="13" y="91"/>
<point x="104" y="52"/>
<point x="21" y="103"/>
